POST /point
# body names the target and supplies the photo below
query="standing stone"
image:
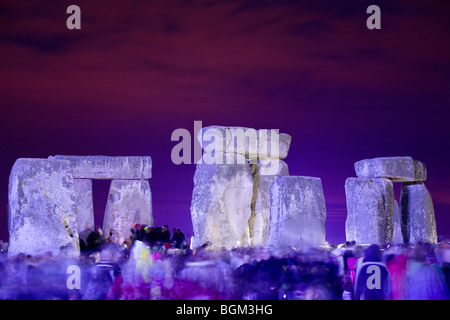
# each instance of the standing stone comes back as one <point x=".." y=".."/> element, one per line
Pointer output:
<point x="397" y="169"/>
<point x="260" y="219"/>
<point x="84" y="203"/>
<point x="370" y="206"/>
<point x="129" y="201"/>
<point x="397" y="236"/>
<point x="417" y="211"/>
<point x="297" y="212"/>
<point x="104" y="167"/>
<point x="41" y="208"/>
<point x="221" y="204"/>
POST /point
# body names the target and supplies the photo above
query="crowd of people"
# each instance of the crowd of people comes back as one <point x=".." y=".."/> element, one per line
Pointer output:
<point x="154" y="264"/>
<point x="94" y="240"/>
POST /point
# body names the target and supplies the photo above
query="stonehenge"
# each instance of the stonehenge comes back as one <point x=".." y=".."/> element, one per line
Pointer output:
<point x="234" y="201"/>
<point x="50" y="200"/>
<point x="243" y="195"/>
<point x="373" y="215"/>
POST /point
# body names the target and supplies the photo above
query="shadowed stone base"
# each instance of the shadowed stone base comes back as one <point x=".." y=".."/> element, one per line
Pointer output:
<point x="417" y="211"/>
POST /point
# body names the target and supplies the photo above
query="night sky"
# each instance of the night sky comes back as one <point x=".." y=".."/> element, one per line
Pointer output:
<point x="138" y="70"/>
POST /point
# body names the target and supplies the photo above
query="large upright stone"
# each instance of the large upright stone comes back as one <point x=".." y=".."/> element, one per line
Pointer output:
<point x="397" y="169"/>
<point x="129" y="201"/>
<point x="104" y="167"/>
<point x="260" y="219"/>
<point x="417" y="210"/>
<point x="85" y="204"/>
<point x="297" y="212"/>
<point x="41" y="208"/>
<point x="221" y="204"/>
<point x="370" y="206"/>
<point x="397" y="235"/>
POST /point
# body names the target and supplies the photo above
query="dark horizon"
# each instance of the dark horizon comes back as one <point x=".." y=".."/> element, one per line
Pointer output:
<point x="137" y="71"/>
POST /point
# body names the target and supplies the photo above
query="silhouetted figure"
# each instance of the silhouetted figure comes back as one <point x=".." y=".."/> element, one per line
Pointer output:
<point x="106" y="279"/>
<point x="178" y="238"/>
<point x="372" y="280"/>
<point x="96" y="240"/>
<point x="165" y="234"/>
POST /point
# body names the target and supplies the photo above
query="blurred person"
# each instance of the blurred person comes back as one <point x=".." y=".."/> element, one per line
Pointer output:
<point x="178" y="238"/>
<point x="36" y="283"/>
<point x="133" y="234"/>
<point x="83" y="236"/>
<point x="372" y="281"/>
<point x="169" y="276"/>
<point x="96" y="240"/>
<point x="165" y="234"/>
<point x="157" y="277"/>
<point x="142" y="276"/>
<point x="445" y="263"/>
<point x="201" y="270"/>
<point x="14" y="278"/>
<point x="268" y="275"/>
<point x="243" y="279"/>
<point x="397" y="265"/>
<point x="349" y="278"/>
<point x="423" y="280"/>
<point x="105" y="279"/>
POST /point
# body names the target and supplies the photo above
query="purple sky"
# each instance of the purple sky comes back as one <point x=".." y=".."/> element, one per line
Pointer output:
<point x="138" y="70"/>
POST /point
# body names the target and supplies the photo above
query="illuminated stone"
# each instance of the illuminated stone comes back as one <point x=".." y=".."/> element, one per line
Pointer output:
<point x="41" y="208"/>
<point x="397" y="236"/>
<point x="417" y="210"/>
<point x="251" y="143"/>
<point x="370" y="206"/>
<point x="84" y="203"/>
<point x="260" y="219"/>
<point x="104" y="167"/>
<point x="129" y="201"/>
<point x="397" y="169"/>
<point x="221" y="204"/>
<point x="297" y="213"/>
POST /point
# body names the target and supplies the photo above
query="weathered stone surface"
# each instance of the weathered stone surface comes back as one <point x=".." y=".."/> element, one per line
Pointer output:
<point x="104" y="167"/>
<point x="84" y="203"/>
<point x="259" y="144"/>
<point x="370" y="206"/>
<point x="417" y="211"/>
<point x="260" y="219"/>
<point x="251" y="143"/>
<point x="129" y="201"/>
<point x="297" y="212"/>
<point x="214" y="138"/>
<point x="221" y="204"/>
<point x="397" y="236"/>
<point x="398" y="169"/>
<point x="41" y="208"/>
